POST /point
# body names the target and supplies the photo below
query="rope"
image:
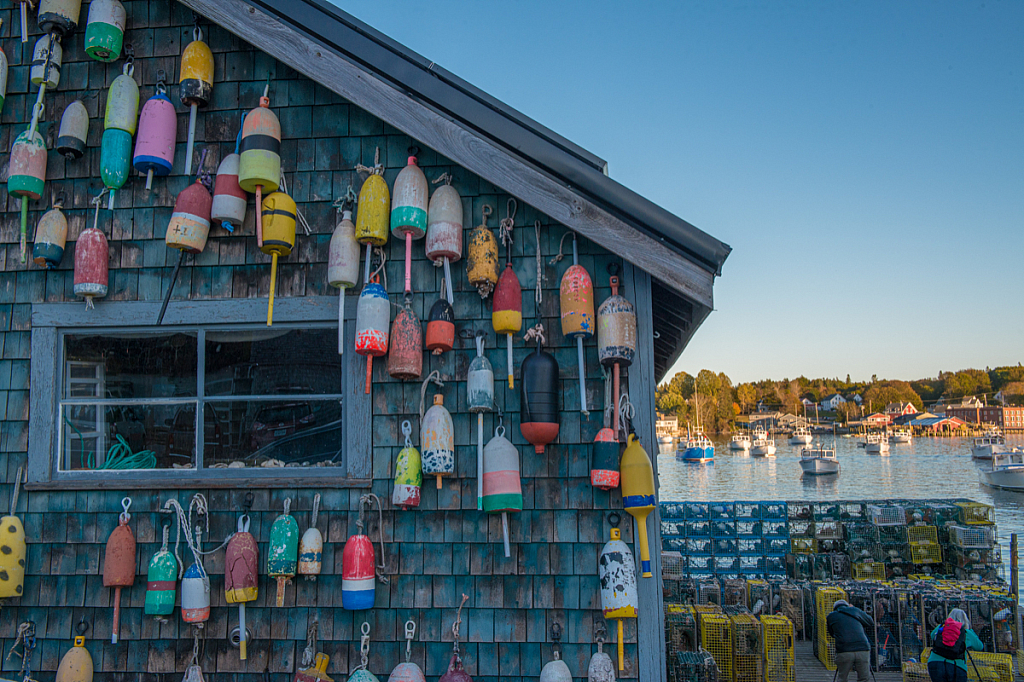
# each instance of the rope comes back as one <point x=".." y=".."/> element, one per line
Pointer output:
<point x="380" y="268"/>
<point x="458" y="622"/>
<point x="309" y="653"/>
<point x="435" y="377"/>
<point x="536" y="332"/>
<point x="14" y="495"/>
<point x="381" y="576"/>
<point x="298" y="211"/>
<point x="539" y="296"/>
<point x="561" y="242"/>
<point x="120" y="457"/>
<point x="626" y="412"/>
<point x="507" y="224"/>
<point x="445" y="177"/>
<point x="378" y="168"/>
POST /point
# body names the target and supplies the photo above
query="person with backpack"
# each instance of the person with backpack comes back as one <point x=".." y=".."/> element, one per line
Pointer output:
<point x="846" y="624"/>
<point x="950" y="642"/>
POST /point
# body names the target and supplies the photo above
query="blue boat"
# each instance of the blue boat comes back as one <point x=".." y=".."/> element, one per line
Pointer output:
<point x="696" y="449"/>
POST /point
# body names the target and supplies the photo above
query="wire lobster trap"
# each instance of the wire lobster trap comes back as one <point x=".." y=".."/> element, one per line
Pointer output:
<point x="976" y="513"/>
<point x="693" y="666"/>
<point x="825" y="598"/>
<point x="681" y="632"/>
<point x="734" y="592"/>
<point x="886" y="515"/>
<point x="791" y="604"/>
<point x="972" y="537"/>
<point x="709" y="591"/>
<point x="747" y="652"/>
<point x="716" y="638"/>
<point x="909" y="604"/>
<point x="777" y="637"/>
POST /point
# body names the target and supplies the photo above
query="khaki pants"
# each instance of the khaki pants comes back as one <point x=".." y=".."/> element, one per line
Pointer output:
<point x="845" y="662"/>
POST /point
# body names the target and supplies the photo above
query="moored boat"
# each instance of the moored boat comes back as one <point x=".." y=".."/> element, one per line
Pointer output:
<point x="819" y="461"/>
<point x="697" y="449"/>
<point x="664" y="445"/>
<point x="801" y="436"/>
<point x="901" y="437"/>
<point x="763" y="447"/>
<point x="876" y="444"/>
<point x="1006" y="471"/>
<point x="988" y="445"/>
<point x="741" y="441"/>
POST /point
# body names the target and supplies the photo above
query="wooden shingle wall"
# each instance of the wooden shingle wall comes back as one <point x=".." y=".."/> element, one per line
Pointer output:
<point x="436" y="553"/>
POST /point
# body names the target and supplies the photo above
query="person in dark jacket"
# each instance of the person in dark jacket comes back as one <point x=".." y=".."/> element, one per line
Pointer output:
<point x="853" y="649"/>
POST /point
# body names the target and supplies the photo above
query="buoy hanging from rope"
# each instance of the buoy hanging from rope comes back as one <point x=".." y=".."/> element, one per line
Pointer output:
<point x="638" y="494"/>
<point x="195" y="586"/>
<point x="162" y="581"/>
<point x="616" y="340"/>
<point x="444" y="229"/>
<point x="119" y="122"/>
<point x="538" y="394"/>
<point x="482" y="256"/>
<point x="408" y="473"/>
<point x="503" y="488"/>
<point x="104" y="30"/>
<point x="409" y="210"/>
<point x="241" y="576"/>
<point x="556" y="670"/>
<point x="455" y="671"/>
<point x="373" y="318"/>
<point x="343" y="262"/>
<point x="119" y="563"/>
<point x="283" y="551"/>
<point x="229" y="199"/>
<point x="76" y="665"/>
<point x="74" y="131"/>
<point x="437" y="437"/>
<point x="311" y="546"/>
<point x="196" y="85"/>
<point x="317" y="672"/>
<point x="576" y="296"/>
<point x="158" y="128"/>
<point x="279" y="215"/>
<point x="617" y="574"/>
<point x="408" y="671"/>
<point x="12" y="535"/>
<point x="405" y="359"/>
<point x="91" y="256"/>
<point x="358" y="562"/>
<point x="259" y="164"/>
<point x="59" y="16"/>
<point x="373" y="217"/>
<point x="480" y="395"/>
<point x="507" y="311"/>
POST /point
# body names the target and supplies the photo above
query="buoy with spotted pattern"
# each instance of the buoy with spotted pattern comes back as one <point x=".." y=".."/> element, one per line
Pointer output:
<point x="12" y="549"/>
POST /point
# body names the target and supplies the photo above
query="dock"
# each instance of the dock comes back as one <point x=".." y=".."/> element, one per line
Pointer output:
<point x="810" y="669"/>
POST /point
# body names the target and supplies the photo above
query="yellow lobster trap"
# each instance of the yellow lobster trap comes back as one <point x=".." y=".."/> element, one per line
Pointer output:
<point x="825" y="646"/>
<point x="779" y="658"/>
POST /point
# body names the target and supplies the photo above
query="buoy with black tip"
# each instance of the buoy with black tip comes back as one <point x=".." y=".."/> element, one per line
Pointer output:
<point x="482" y="256"/>
<point x="343" y="262"/>
<point x="409" y="209"/>
<point x="441" y="327"/>
<point x="196" y="86"/>
<point x="408" y="473"/>
<point x="616" y="339"/>
<point x="507" y="309"/>
<point x="74" y="131"/>
<point x="311" y="546"/>
<point x="119" y="124"/>
<point x="480" y="394"/>
<point x="26" y="176"/>
<point x="279" y="214"/>
<point x="13" y="550"/>
<point x="576" y="297"/>
<point x="229" y="199"/>
<point x="455" y="671"/>
<point x="604" y="468"/>
<point x="616" y="570"/>
<point x="437" y="438"/>
<point x="556" y="670"/>
<point x="189" y="226"/>
<point x="601" y="668"/>
<point x="359" y="563"/>
<point x="195" y="587"/>
<point x="104" y="30"/>
<point x="444" y="229"/>
<point x="361" y="674"/>
<point x="158" y="128"/>
<point x="259" y="163"/>
<point x="373" y="217"/>
<point x="405" y="359"/>
<point x="538" y="394"/>
<point x="47" y="56"/>
<point x="59" y="16"/>
<point x="503" y="488"/>
<point x="92" y="254"/>
<point x="3" y="78"/>
<point x="119" y="563"/>
<point x="283" y="551"/>
<point x="162" y="581"/>
<point x="76" y="665"/>
<point x="241" y="575"/>
<point x="408" y="671"/>
<point x="638" y="494"/>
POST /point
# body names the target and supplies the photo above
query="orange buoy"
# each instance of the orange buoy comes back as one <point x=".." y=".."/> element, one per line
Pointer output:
<point x="576" y="295"/>
<point x="405" y="360"/>
<point x="119" y="562"/>
<point x="441" y="327"/>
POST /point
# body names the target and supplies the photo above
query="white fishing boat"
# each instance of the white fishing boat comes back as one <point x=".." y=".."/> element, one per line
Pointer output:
<point x="819" y="461"/>
<point x="801" y="436"/>
<point x="741" y="441"/>
<point x="988" y="445"/>
<point x="762" y="446"/>
<point x="901" y="436"/>
<point x="1006" y="471"/>
<point x="664" y="445"/>
<point x="876" y="444"/>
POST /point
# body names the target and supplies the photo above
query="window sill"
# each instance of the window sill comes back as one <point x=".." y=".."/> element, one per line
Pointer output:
<point x="129" y="481"/>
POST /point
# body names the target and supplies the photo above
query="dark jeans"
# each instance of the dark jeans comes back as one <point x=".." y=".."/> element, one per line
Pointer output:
<point x="941" y="671"/>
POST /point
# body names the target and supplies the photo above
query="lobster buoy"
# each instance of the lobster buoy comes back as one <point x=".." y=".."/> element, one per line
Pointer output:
<point x="604" y="470"/>
<point x="556" y="670"/>
<point x="12" y="549"/>
<point x="441" y="327"/>
<point x="91" y="256"/>
<point x="119" y="562"/>
<point x="74" y="131"/>
<point x="190" y="223"/>
<point x="59" y="16"/>
<point x="76" y="665"/>
<point x="158" y="128"/>
<point x="161" y="582"/>
<point x="358" y="569"/>
<point x="196" y="85"/>
<point x="259" y="163"/>
<point x="638" y="494"/>
<point x="119" y="123"/>
<point x="503" y="489"/>
<point x="26" y="176"/>
<point x="409" y="210"/>
<point x="115" y="160"/>
<point x="279" y="213"/>
<point x="480" y="394"/>
<point x="373" y="217"/>
<point x="229" y="200"/>
<point x="616" y="339"/>
<point x="195" y="595"/>
<point x="539" y="398"/>
<point x="373" y="317"/>
<point x="455" y="671"/>
<point x="437" y="438"/>
<point x="444" y="229"/>
<point x="311" y="546"/>
<point x="316" y="672"/>
<point x="405" y="360"/>
<point x="408" y="473"/>
<point x="482" y="257"/>
<point x="104" y="30"/>
<point x="241" y="581"/>
<point x="601" y="668"/>
<point x="408" y="671"/>
<point x="283" y="553"/>
<point x="507" y="313"/>
<point x="3" y="78"/>
<point x="343" y="267"/>
<point x="576" y="297"/>
<point x="47" y="48"/>
<point x="617" y="574"/>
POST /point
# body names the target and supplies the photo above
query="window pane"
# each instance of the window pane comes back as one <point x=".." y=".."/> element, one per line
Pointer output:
<point x="293" y="432"/>
<point x="155" y="436"/>
<point x="273" y="362"/>
<point x="115" y="366"/>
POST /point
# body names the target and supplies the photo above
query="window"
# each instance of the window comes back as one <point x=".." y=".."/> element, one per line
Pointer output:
<point x="198" y="401"/>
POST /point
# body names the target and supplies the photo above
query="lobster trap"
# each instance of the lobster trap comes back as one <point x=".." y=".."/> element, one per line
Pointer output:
<point x="887" y="515"/>
<point x="922" y="534"/>
<point x="973" y="537"/>
<point x="734" y="592"/>
<point x="716" y="639"/>
<point x="791" y="604"/>
<point x="869" y="570"/>
<point x="779" y="658"/>
<point x="680" y="629"/>
<point x="709" y="591"/>
<point x="825" y="598"/>
<point x="926" y="553"/>
<point x="693" y="666"/>
<point x="976" y="513"/>
<point x="746" y="648"/>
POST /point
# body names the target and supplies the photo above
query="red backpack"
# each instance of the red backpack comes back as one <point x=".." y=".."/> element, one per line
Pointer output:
<point x="951" y="641"/>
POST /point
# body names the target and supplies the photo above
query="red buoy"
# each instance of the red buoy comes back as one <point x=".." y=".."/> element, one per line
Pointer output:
<point x="405" y="359"/>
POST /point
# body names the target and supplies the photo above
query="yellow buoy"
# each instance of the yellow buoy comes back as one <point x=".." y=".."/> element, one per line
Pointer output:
<point x="374" y="215"/>
<point x="638" y="494"/>
<point x="278" y="236"/>
<point x="76" y="666"/>
<point x="482" y="257"/>
<point x="12" y="549"/>
<point x="196" y="85"/>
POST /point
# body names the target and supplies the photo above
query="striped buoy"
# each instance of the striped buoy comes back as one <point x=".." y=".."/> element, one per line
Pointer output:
<point x="604" y="468"/>
<point x="616" y="340"/>
<point x="104" y="30"/>
<point x="119" y="123"/>
<point x="441" y="327"/>
<point x="74" y="131"/>
<point x="373" y="317"/>
<point x="259" y="163"/>
<point x="409" y="210"/>
<point x="503" y="488"/>
<point x="229" y="200"/>
<point x="311" y="546"/>
<point x="26" y="176"/>
<point x="195" y="595"/>
<point x="278" y="215"/>
<point x="162" y="582"/>
<point x="158" y="128"/>
<point x="196" y="85"/>
<point x="358" y="564"/>
<point x="189" y="226"/>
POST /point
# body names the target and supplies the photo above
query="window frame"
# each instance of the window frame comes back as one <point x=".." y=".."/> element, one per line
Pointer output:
<point x="51" y="322"/>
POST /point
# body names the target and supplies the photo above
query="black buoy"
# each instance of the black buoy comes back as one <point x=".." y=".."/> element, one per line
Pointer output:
<point x="539" y="394"/>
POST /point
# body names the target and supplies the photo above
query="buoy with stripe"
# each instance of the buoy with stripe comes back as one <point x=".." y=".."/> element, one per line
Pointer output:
<point x="556" y="670"/>
<point x="617" y="573"/>
<point x="604" y="468"/>
<point x="59" y="16"/>
<point x="229" y="200"/>
<point x="444" y="229"/>
<point x="189" y="226"/>
<point x="104" y="30"/>
<point x="91" y="256"/>
<point x="373" y="318"/>
<point x="361" y="674"/>
<point x="195" y="588"/>
<point x="47" y="56"/>
<point x="196" y="86"/>
<point x="503" y="488"/>
<point x="601" y="668"/>
<point x="507" y="311"/>
<point x="437" y="438"/>
<point x="158" y="128"/>
<point x="3" y="78"/>
<point x="409" y="210"/>
<point x="311" y="546"/>
<point x="538" y="395"/>
<point x="26" y="176"/>
<point x="638" y="494"/>
<point x="405" y="359"/>
<point x="482" y="256"/>
<point x="576" y="297"/>
<point x="317" y="672"/>
<point x="76" y="665"/>
<point x="283" y="551"/>
<point x="119" y="563"/>
<point x="358" y="565"/>
<point x="162" y="582"/>
<point x="408" y="671"/>
<point x="119" y="123"/>
<point x="259" y="163"/>
<point x="408" y="473"/>
<point x="279" y="213"/>
<point x="616" y="339"/>
<point x="241" y="581"/>
<point x="343" y="265"/>
<point x="480" y="395"/>
<point x="373" y="217"/>
<point x="12" y="548"/>
<point x="74" y="131"/>
<point x="441" y="327"/>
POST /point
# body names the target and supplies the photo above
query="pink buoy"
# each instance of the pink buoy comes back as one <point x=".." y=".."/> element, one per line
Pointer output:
<point x="154" y="144"/>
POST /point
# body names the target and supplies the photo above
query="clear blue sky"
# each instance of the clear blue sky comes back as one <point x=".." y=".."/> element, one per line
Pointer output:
<point x="865" y="160"/>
